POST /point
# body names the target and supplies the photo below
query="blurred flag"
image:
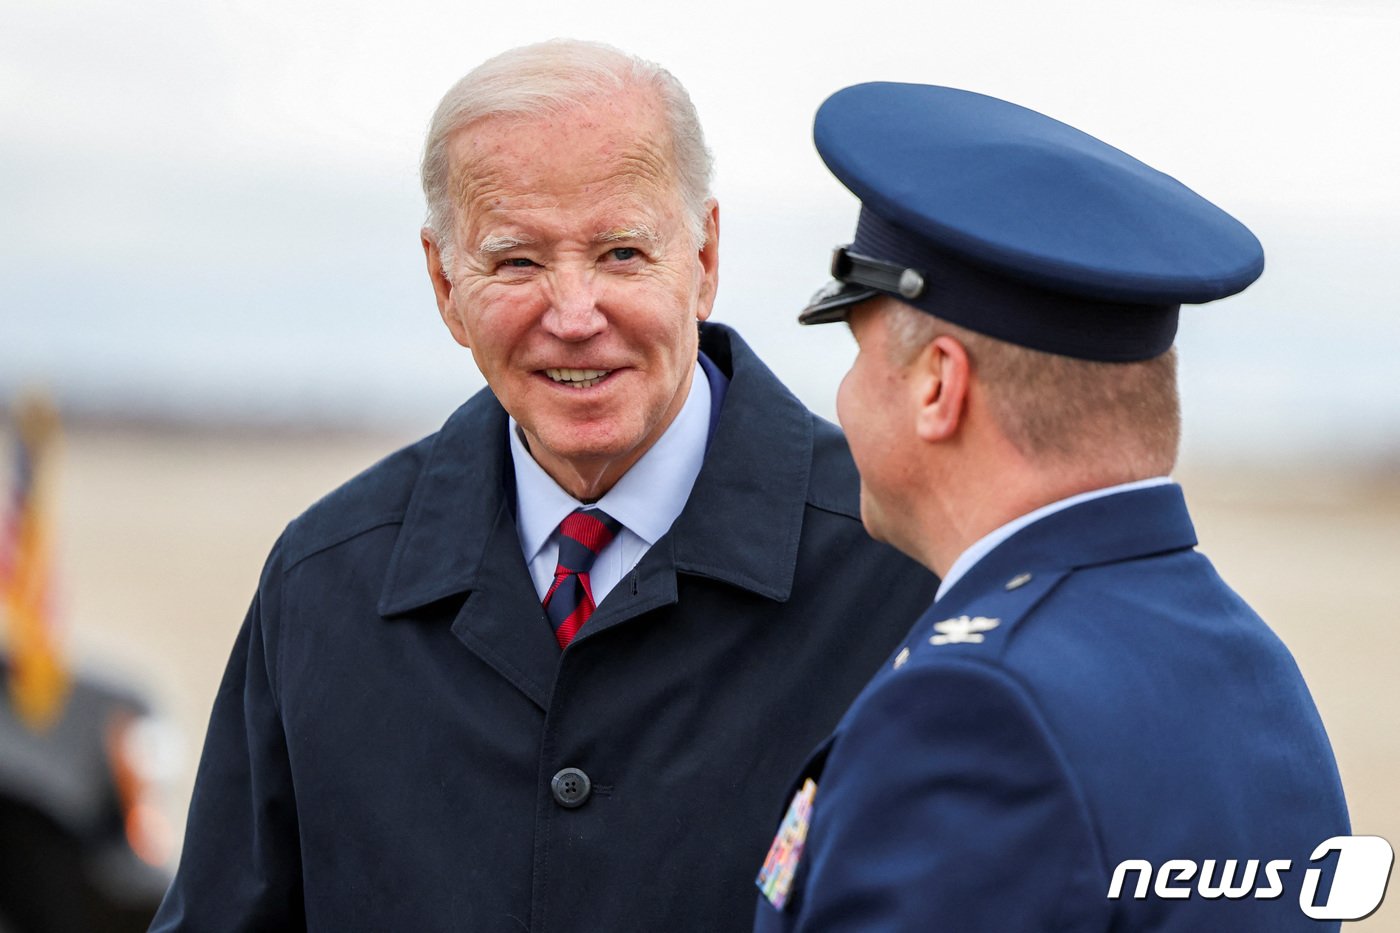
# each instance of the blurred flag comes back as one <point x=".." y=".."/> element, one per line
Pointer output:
<point x="38" y="678"/>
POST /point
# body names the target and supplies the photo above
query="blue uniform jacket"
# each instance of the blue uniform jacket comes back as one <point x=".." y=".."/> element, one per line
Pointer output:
<point x="382" y="749"/>
<point x="1090" y="692"/>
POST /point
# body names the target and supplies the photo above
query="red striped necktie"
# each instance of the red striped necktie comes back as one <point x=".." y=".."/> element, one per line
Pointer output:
<point x="582" y="536"/>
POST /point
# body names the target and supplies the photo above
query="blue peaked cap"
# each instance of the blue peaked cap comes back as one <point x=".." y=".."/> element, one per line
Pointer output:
<point x="1017" y="226"/>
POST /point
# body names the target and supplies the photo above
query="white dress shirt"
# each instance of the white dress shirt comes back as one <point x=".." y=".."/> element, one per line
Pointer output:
<point x="646" y="500"/>
<point x="984" y="545"/>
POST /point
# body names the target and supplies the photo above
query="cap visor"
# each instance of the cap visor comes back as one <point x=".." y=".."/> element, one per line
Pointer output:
<point x="832" y="303"/>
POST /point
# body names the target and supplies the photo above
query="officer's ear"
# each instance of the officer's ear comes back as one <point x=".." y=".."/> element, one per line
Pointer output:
<point x="941" y="373"/>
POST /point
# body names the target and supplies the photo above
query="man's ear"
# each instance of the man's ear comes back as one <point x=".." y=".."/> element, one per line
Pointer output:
<point x="442" y="287"/>
<point x="941" y="374"/>
<point x="709" y="262"/>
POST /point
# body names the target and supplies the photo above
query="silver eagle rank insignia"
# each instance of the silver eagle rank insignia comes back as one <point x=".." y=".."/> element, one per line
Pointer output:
<point x="962" y="629"/>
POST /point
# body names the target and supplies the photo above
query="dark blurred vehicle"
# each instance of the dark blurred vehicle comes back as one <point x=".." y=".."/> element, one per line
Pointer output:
<point x="83" y="840"/>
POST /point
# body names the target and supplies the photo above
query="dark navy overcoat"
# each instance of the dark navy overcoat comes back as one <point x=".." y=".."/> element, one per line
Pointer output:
<point x="383" y="748"/>
<point x="1089" y="693"/>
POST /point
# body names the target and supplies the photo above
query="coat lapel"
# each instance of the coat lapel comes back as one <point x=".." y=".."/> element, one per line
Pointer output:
<point x="743" y="523"/>
<point x="459" y="538"/>
<point x="502" y="620"/>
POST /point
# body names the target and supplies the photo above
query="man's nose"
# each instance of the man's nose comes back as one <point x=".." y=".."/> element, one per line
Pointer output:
<point x="573" y="306"/>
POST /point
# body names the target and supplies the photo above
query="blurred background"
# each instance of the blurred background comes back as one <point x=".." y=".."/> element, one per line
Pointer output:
<point x="209" y="263"/>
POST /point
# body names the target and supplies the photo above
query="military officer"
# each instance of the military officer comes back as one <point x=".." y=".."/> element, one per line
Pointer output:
<point x="1088" y="729"/>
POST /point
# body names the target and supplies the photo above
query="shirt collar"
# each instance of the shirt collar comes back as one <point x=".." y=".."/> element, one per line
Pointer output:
<point x="743" y="527"/>
<point x="984" y="545"/>
<point x="648" y="497"/>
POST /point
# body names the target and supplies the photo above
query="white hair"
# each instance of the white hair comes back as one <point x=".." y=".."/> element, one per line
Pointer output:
<point x="547" y="78"/>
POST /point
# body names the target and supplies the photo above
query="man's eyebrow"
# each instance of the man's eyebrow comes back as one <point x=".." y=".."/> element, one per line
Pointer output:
<point x="500" y="244"/>
<point x="635" y="232"/>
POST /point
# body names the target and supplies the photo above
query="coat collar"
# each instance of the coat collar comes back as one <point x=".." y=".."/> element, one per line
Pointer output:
<point x="1119" y="527"/>
<point x="741" y="525"/>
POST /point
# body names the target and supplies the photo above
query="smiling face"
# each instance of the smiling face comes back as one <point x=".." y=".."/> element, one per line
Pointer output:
<point x="577" y="285"/>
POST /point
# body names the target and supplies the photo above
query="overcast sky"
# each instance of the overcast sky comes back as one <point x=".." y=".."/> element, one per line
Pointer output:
<point x="218" y="202"/>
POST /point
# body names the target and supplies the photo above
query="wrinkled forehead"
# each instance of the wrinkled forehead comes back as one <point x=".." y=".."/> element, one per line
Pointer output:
<point x="602" y="147"/>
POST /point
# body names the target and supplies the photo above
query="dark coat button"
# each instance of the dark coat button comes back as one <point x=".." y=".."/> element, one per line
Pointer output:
<point x="571" y="788"/>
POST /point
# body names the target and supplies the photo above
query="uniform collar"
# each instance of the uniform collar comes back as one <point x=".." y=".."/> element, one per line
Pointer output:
<point x="1121" y="525"/>
<point x="987" y="543"/>
<point x="741" y="525"/>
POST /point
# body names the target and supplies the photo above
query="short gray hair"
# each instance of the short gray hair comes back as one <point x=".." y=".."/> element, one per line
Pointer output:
<point x="1123" y="417"/>
<point x="548" y="78"/>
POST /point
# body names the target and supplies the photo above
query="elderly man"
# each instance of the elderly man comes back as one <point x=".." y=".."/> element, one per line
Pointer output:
<point x="1087" y="730"/>
<point x="550" y="668"/>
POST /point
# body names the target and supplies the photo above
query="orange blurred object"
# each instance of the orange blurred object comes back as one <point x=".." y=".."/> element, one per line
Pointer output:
<point x="39" y="679"/>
